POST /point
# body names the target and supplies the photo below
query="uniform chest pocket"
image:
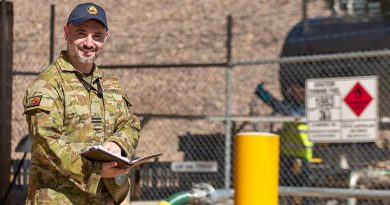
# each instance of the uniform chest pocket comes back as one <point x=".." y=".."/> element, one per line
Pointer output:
<point x="77" y="117"/>
<point x="113" y="103"/>
<point x="77" y="106"/>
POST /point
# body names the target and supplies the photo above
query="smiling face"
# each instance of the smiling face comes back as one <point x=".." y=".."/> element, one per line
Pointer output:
<point x="84" y="42"/>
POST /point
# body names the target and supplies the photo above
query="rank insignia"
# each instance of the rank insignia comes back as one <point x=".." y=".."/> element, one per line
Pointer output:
<point x="92" y="10"/>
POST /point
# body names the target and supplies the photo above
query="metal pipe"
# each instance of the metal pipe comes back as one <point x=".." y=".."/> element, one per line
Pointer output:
<point x="294" y="59"/>
<point x="314" y="58"/>
<point x="178" y="65"/>
<point x="334" y="193"/>
<point x="322" y="192"/>
<point x="221" y="195"/>
<point x="52" y="32"/>
<point x="350" y="10"/>
<point x="257" y="119"/>
<point x="206" y="195"/>
<point x="143" y="66"/>
<point x="228" y="102"/>
<point x="24" y="73"/>
<point x="353" y="180"/>
<point x="304" y="15"/>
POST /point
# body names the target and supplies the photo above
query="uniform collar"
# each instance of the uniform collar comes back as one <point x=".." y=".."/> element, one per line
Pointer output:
<point x="64" y="64"/>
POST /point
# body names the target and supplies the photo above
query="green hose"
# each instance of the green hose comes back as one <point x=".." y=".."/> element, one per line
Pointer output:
<point x="180" y="198"/>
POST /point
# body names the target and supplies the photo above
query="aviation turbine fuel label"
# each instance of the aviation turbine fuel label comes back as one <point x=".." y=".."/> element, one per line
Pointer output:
<point x="342" y="109"/>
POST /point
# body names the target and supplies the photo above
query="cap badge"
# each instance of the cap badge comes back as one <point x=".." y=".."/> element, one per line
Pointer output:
<point x="92" y="10"/>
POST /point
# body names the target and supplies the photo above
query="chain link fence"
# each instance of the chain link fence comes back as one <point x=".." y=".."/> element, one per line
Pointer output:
<point x="191" y="125"/>
<point x="361" y="166"/>
<point x="201" y="138"/>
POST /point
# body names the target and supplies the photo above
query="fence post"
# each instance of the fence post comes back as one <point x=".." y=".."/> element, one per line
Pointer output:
<point x="228" y="100"/>
<point x="256" y="170"/>
<point x="52" y="32"/>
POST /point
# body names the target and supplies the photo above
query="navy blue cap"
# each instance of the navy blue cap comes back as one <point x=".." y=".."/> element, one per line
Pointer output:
<point x="87" y="11"/>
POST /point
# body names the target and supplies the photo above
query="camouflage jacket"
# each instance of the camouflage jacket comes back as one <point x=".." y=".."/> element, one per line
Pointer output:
<point x="64" y="119"/>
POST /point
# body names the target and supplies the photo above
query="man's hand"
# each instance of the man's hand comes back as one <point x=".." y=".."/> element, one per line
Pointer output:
<point x="112" y="147"/>
<point x="109" y="170"/>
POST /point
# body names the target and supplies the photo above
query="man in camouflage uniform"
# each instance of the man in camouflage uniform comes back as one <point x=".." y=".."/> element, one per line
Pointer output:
<point x="71" y="106"/>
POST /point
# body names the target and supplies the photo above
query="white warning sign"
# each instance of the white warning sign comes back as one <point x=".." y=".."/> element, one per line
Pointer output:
<point x="342" y="109"/>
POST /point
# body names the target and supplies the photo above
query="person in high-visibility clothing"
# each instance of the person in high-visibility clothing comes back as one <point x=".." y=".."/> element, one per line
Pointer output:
<point x="296" y="149"/>
<point x="296" y="152"/>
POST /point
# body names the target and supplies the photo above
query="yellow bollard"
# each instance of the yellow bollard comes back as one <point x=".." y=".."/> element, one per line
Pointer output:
<point x="256" y="169"/>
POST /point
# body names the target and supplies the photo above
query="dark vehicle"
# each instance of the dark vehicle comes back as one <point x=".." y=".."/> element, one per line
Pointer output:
<point x="333" y="35"/>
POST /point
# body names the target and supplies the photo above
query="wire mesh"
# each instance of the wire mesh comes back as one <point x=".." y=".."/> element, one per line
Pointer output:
<point x="198" y="93"/>
<point x="203" y="140"/>
<point x="352" y="165"/>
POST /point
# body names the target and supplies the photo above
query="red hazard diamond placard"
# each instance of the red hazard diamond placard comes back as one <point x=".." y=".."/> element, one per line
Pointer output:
<point x="358" y="99"/>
